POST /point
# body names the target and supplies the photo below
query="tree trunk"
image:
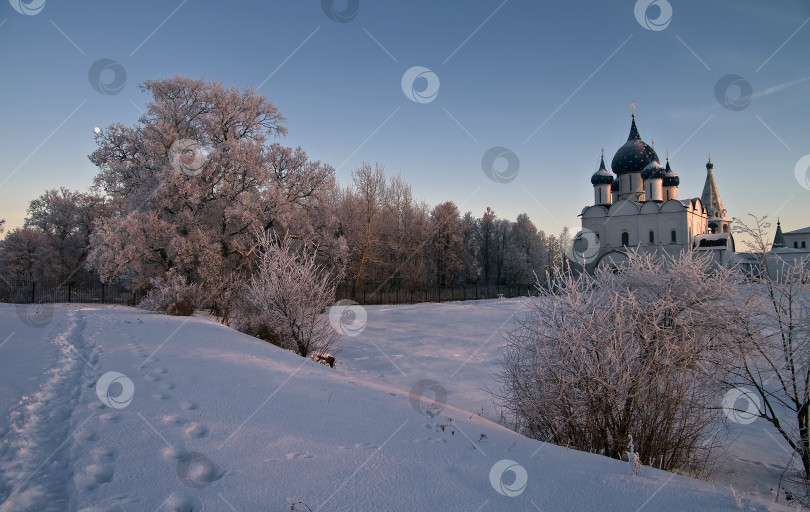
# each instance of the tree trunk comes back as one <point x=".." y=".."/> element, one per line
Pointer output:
<point x="803" y="415"/>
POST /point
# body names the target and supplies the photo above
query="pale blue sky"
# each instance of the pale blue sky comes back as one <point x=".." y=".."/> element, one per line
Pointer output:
<point x="550" y="81"/>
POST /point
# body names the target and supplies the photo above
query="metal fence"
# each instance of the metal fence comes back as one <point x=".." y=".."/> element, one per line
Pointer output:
<point x="471" y="292"/>
<point x="94" y="291"/>
<point x="27" y="292"/>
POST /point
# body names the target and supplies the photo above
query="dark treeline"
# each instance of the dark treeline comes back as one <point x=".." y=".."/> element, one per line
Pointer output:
<point x="393" y="242"/>
<point x="396" y="242"/>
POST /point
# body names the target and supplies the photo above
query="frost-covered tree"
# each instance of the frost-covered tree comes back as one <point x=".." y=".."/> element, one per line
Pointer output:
<point x="386" y="232"/>
<point x="405" y="231"/>
<point x="600" y="358"/>
<point x="469" y="233"/>
<point x="486" y="245"/>
<point x="446" y="245"/>
<point x="27" y="254"/>
<point x="288" y="295"/>
<point x="361" y="213"/>
<point x="557" y="260"/>
<point x="511" y="252"/>
<point x="523" y="252"/>
<point x="501" y="239"/>
<point x="770" y="355"/>
<point x="195" y="179"/>
<point x="67" y="217"/>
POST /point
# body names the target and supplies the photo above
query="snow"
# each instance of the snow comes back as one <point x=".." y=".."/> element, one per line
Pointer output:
<point x="222" y="421"/>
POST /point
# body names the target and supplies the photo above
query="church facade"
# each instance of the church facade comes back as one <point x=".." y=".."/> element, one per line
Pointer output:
<point x="636" y="204"/>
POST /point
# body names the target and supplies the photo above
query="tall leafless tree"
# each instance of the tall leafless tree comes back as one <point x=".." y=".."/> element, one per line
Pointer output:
<point x="771" y="353"/>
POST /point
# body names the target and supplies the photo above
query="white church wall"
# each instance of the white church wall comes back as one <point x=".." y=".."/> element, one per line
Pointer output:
<point x="798" y="240"/>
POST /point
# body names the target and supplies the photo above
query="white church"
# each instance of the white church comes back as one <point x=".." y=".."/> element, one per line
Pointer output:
<point x="637" y="205"/>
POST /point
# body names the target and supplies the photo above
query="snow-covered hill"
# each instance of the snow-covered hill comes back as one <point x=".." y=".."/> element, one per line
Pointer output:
<point x="222" y="421"/>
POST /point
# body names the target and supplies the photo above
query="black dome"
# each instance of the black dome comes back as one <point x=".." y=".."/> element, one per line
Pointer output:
<point x="602" y="176"/>
<point x="670" y="178"/>
<point x="652" y="171"/>
<point x="634" y="155"/>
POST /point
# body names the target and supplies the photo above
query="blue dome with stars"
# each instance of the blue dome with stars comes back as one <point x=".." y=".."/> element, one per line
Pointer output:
<point x="602" y="176"/>
<point x="670" y="178"/>
<point x="634" y="155"/>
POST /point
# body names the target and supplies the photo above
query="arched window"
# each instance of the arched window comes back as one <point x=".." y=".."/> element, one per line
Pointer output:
<point x="713" y="228"/>
<point x="795" y="245"/>
<point x="804" y="245"/>
<point x="625" y="238"/>
<point x="674" y="236"/>
<point x="652" y="237"/>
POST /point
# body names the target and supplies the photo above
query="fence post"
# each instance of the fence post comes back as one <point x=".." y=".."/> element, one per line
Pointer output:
<point x="33" y="292"/>
<point x="102" y="293"/>
<point x="69" y="287"/>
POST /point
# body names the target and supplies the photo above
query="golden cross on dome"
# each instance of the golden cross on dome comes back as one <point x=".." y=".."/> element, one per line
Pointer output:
<point x="603" y="150"/>
<point x="633" y="108"/>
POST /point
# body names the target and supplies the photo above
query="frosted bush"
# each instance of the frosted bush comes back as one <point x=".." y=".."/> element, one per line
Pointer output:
<point x="172" y="295"/>
<point x="286" y="299"/>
